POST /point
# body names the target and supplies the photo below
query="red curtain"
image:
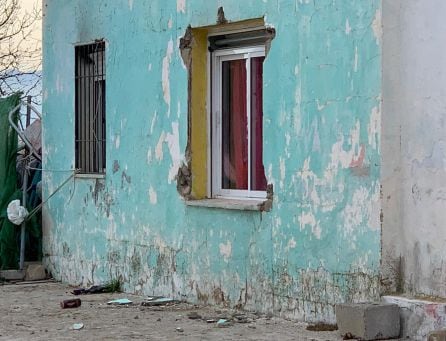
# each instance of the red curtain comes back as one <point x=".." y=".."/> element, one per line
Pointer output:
<point x="235" y="125"/>
<point x="235" y="165"/>
<point x="258" y="179"/>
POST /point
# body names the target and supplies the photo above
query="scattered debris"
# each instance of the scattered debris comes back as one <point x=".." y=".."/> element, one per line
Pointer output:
<point x="112" y="286"/>
<point x="252" y="326"/>
<point x="348" y="336"/>
<point x="71" y="303"/>
<point x="211" y="320"/>
<point x="120" y="301"/>
<point x="78" y="326"/>
<point x="179" y="329"/>
<point x="194" y="315"/>
<point x="322" y="327"/>
<point x="157" y="300"/>
<point x="16" y="213"/>
<point x="223" y="323"/>
<point x="241" y="318"/>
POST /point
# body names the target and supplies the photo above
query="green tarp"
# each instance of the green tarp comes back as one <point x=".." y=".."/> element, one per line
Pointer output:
<point x="9" y="251"/>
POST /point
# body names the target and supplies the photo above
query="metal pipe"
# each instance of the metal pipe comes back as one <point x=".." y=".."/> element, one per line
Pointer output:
<point x="33" y="108"/>
<point x="23" y="227"/>
<point x="22" y="136"/>
<point x="28" y="111"/>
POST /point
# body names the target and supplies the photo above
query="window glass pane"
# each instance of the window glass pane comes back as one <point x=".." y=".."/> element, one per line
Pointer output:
<point x="234" y="125"/>
<point x="258" y="179"/>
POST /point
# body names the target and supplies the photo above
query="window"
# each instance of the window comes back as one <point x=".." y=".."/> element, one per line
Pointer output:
<point x="90" y="108"/>
<point x="237" y="117"/>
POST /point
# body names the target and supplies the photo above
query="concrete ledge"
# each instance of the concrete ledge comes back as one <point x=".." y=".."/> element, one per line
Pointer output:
<point x="368" y="321"/>
<point x="229" y="204"/>
<point x="12" y="275"/>
<point x="439" y="335"/>
<point x="419" y="317"/>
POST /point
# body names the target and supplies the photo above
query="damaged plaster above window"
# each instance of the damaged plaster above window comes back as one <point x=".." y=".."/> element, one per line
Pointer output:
<point x="192" y="177"/>
<point x="184" y="179"/>
<point x="221" y="19"/>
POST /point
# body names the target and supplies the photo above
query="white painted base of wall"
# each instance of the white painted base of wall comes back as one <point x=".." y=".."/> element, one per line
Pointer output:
<point x="419" y="317"/>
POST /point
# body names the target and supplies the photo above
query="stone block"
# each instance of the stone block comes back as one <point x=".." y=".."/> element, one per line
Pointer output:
<point x="368" y="321"/>
<point x="35" y="272"/>
<point x="438" y="335"/>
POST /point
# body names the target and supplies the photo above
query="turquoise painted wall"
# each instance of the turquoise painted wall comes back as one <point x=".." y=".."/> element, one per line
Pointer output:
<point x="319" y="245"/>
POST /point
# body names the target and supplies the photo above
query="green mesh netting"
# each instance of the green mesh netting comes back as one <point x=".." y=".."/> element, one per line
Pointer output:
<point x="9" y="251"/>
<point x="10" y="233"/>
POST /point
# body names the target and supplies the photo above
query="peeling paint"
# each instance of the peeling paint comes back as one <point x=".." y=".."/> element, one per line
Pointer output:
<point x="374" y="127"/>
<point x="181" y="6"/>
<point x="307" y="218"/>
<point x="152" y="196"/>
<point x="348" y="28"/>
<point x="291" y="243"/>
<point x="356" y="210"/>
<point x="226" y="250"/>
<point x="173" y="142"/>
<point x="159" y="147"/>
<point x="377" y="27"/>
<point x="165" y="74"/>
<point x="321" y="151"/>
<point x="152" y="125"/>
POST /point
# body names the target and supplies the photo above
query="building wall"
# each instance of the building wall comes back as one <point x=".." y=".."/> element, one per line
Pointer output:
<point x="320" y="243"/>
<point x="413" y="146"/>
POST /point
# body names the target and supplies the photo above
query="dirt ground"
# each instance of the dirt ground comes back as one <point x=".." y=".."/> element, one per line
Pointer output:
<point x="33" y="312"/>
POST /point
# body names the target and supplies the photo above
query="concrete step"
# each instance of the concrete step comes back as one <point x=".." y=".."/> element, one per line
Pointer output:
<point x="419" y="317"/>
<point x="12" y="275"/>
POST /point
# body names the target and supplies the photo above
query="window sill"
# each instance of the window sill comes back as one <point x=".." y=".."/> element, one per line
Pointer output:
<point x="233" y="204"/>
<point x="89" y="176"/>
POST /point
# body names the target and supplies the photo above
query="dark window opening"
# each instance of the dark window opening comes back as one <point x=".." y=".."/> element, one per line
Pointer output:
<point x="90" y="108"/>
<point x="232" y="40"/>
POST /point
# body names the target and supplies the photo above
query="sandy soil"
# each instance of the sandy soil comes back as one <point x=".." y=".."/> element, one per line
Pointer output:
<point x="33" y="312"/>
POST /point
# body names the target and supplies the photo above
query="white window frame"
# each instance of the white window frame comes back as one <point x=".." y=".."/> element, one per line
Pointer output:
<point x="217" y="58"/>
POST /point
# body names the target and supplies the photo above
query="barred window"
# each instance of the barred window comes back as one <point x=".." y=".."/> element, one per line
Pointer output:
<point x="90" y="108"/>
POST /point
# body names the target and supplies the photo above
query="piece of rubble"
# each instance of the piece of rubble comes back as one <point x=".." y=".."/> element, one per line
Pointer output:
<point x="78" y="326"/>
<point x="157" y="300"/>
<point x="71" y="303"/>
<point x="223" y="323"/>
<point x="241" y="318"/>
<point x="120" y="301"/>
<point x="193" y="315"/>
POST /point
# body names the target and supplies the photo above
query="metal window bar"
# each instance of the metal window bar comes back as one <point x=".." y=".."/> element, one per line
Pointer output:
<point x="90" y="108"/>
